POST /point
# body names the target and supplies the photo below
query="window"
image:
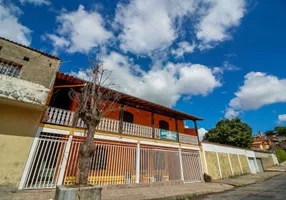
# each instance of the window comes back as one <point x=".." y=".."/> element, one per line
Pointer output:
<point x="26" y="58"/>
<point x="9" y="69"/>
<point x="128" y="117"/>
<point x="163" y="125"/>
<point x="99" y="160"/>
<point x="1" y="48"/>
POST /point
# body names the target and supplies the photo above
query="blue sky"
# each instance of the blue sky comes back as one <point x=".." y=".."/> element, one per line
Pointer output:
<point x="212" y="58"/>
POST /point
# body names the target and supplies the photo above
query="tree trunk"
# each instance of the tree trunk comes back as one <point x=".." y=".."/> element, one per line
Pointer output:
<point x="86" y="151"/>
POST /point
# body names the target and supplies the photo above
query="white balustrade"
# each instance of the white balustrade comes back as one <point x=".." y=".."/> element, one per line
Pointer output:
<point x="137" y="130"/>
<point x="188" y="139"/>
<point x="58" y="116"/>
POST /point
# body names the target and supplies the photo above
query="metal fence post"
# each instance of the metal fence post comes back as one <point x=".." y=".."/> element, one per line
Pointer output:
<point x="138" y="162"/>
<point x="181" y="164"/>
<point x="64" y="161"/>
<point x="29" y="160"/>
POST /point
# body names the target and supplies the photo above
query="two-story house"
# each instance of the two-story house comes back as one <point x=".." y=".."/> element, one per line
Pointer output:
<point x="140" y="142"/>
<point x="26" y="77"/>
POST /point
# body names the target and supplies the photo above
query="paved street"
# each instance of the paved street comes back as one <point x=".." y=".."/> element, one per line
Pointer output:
<point x="272" y="189"/>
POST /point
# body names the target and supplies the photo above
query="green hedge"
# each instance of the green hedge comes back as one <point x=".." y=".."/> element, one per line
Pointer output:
<point x="281" y="154"/>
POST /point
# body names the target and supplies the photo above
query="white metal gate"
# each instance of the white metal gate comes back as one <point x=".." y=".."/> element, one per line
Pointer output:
<point x="54" y="160"/>
<point x="112" y="163"/>
<point x="44" y="168"/>
<point x="192" y="166"/>
<point x="159" y="164"/>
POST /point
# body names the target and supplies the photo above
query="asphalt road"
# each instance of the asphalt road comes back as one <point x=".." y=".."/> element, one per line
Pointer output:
<point x="272" y="189"/>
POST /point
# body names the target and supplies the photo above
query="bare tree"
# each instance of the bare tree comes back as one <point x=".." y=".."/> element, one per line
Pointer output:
<point x="95" y="101"/>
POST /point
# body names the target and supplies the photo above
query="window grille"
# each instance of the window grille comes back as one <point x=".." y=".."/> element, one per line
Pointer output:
<point x="9" y="69"/>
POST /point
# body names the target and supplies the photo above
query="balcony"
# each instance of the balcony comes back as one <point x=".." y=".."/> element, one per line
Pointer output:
<point x="22" y="90"/>
<point x="66" y="118"/>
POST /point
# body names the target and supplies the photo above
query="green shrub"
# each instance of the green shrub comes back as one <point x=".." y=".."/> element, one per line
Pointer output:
<point x="281" y="154"/>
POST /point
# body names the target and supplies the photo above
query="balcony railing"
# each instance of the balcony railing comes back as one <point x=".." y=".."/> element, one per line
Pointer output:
<point x="66" y="118"/>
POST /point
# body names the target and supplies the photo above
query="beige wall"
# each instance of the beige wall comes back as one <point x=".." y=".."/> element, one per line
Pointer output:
<point x="212" y="165"/>
<point x="39" y="69"/>
<point x="17" y="128"/>
<point x="225" y="166"/>
<point x="235" y="164"/>
<point x="244" y="164"/>
<point x="267" y="159"/>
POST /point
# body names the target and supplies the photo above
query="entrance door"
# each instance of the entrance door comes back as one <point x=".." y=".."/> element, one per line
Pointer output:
<point x="252" y="165"/>
<point x="192" y="166"/>
<point x="259" y="164"/>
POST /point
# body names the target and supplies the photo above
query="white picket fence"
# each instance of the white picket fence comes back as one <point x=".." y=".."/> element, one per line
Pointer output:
<point x="54" y="161"/>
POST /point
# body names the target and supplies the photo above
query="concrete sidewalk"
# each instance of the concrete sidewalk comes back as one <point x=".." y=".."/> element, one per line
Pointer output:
<point x="181" y="191"/>
<point x="244" y="180"/>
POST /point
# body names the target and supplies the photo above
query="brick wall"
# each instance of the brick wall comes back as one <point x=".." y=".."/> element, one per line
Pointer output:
<point x="39" y="69"/>
<point x="143" y="117"/>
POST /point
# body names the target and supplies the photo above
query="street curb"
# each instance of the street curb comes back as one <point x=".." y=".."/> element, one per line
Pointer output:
<point x="193" y="195"/>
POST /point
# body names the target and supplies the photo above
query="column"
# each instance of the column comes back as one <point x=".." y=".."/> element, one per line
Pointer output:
<point x="218" y="165"/>
<point x="181" y="164"/>
<point x="196" y="127"/>
<point x="138" y="162"/>
<point x="177" y="129"/>
<point x="153" y="126"/>
<point x="121" y="118"/>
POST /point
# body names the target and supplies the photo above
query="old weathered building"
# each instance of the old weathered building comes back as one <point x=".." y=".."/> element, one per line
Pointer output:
<point x="26" y="77"/>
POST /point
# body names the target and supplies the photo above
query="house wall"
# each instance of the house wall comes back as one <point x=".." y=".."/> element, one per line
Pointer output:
<point x="39" y="69"/>
<point x="226" y="169"/>
<point x="17" y="130"/>
<point x="267" y="159"/>
<point x="226" y="161"/>
<point x="143" y="117"/>
<point x="213" y="169"/>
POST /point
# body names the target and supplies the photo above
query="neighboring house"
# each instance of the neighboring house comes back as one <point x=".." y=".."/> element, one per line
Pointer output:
<point x="140" y="142"/>
<point x="263" y="142"/>
<point x="26" y="77"/>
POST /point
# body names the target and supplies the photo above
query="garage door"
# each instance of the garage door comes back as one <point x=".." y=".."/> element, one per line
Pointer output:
<point x="259" y="164"/>
<point x="252" y="165"/>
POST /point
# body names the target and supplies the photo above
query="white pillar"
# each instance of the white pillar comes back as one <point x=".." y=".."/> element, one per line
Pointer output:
<point x="230" y="165"/>
<point x="218" y="165"/>
<point x="29" y="160"/>
<point x="205" y="160"/>
<point x="64" y="162"/>
<point x="181" y="164"/>
<point x="138" y="162"/>
<point x="239" y="163"/>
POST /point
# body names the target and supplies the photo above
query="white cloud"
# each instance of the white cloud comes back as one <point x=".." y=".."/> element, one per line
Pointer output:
<point x="36" y="2"/>
<point x="219" y="18"/>
<point x="202" y="132"/>
<point x="183" y="47"/>
<point x="163" y="85"/>
<point x="148" y="26"/>
<point x="231" y="113"/>
<point x="259" y="89"/>
<point x="230" y="67"/>
<point x="11" y="28"/>
<point x="225" y="67"/>
<point x="80" y="31"/>
<point x="282" y="118"/>
<point x="58" y="42"/>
